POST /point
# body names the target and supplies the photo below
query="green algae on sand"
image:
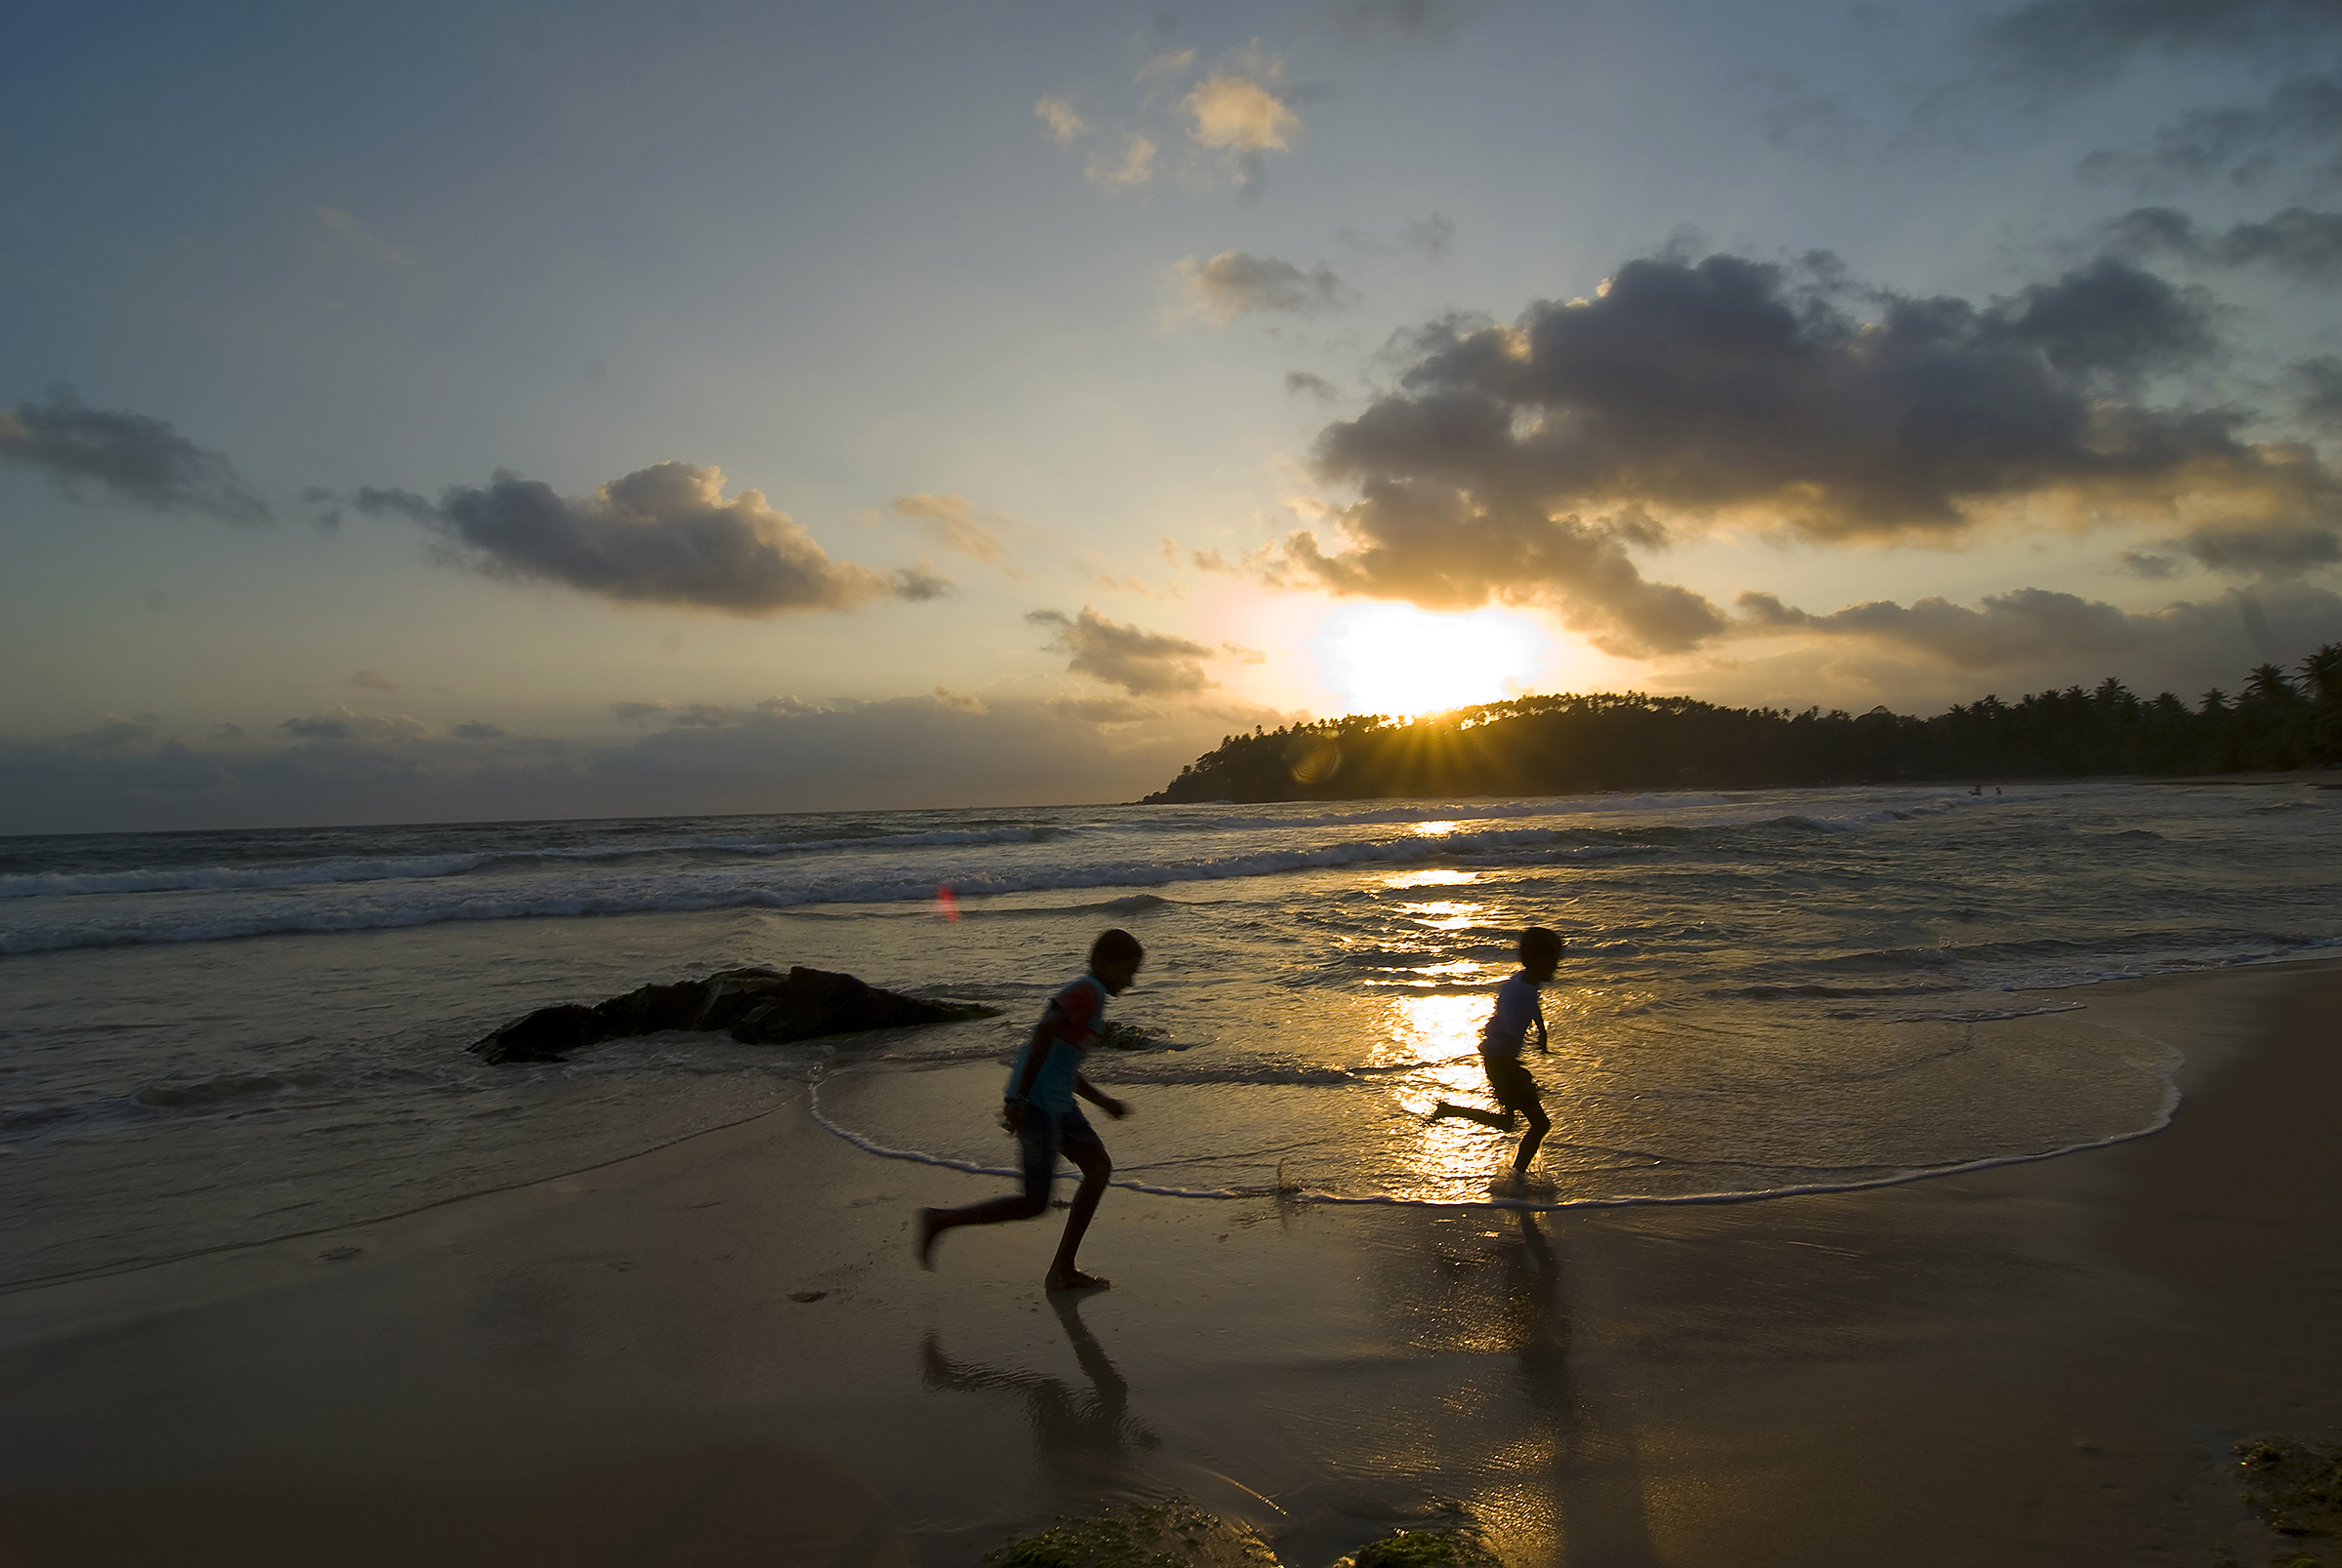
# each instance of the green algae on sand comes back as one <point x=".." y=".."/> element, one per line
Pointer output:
<point x="1177" y="1534"/>
<point x="1172" y="1534"/>
<point x="2296" y="1487"/>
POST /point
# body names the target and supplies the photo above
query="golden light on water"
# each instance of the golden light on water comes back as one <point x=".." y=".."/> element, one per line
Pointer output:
<point x="1428" y="880"/>
<point x="1397" y="660"/>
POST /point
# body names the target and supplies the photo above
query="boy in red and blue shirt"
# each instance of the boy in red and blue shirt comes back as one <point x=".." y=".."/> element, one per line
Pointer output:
<point x="1038" y="1108"/>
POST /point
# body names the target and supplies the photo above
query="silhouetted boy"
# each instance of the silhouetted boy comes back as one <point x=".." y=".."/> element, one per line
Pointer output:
<point x="1038" y="1108"/>
<point x="1501" y="1039"/>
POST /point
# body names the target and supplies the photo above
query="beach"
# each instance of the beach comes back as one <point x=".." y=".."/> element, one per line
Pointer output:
<point x="722" y="1352"/>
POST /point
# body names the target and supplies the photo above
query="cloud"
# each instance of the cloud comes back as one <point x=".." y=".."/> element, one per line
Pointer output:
<point x="1401" y="21"/>
<point x="2320" y="383"/>
<point x="1523" y="462"/>
<point x="2264" y="549"/>
<point x="1129" y="165"/>
<point x="1143" y="663"/>
<point x="1059" y="116"/>
<point x="136" y="457"/>
<point x="2305" y="243"/>
<point x="1309" y="382"/>
<point x="1104" y="709"/>
<point x="1016" y="742"/>
<point x="955" y="524"/>
<point x="1235" y="283"/>
<point x="2092" y="40"/>
<point x="372" y="680"/>
<point x="661" y="535"/>
<point x="1433" y="236"/>
<point x="1234" y="110"/>
<point x="476" y="731"/>
<point x="356" y="240"/>
<point x="2304" y="109"/>
<point x="342" y="724"/>
<point x="2048" y="630"/>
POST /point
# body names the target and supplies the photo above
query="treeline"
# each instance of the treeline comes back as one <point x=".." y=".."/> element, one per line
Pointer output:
<point x="1568" y="745"/>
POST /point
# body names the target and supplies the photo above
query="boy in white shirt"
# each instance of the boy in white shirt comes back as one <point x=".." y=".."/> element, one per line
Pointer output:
<point x="1517" y="1007"/>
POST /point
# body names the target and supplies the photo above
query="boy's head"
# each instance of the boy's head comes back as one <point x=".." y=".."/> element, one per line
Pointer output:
<point x="1540" y="952"/>
<point x="1114" y="958"/>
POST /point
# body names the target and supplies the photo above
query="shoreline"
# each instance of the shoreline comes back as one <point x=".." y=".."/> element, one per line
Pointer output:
<point x="2040" y="1362"/>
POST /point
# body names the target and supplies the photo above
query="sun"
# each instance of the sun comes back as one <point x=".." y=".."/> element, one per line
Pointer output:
<point x="1397" y="660"/>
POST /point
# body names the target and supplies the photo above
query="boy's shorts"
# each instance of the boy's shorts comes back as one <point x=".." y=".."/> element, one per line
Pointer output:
<point x="1048" y="1133"/>
<point x="1511" y="1084"/>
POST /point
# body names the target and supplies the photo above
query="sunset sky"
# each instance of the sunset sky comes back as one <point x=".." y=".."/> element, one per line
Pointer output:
<point x="437" y="412"/>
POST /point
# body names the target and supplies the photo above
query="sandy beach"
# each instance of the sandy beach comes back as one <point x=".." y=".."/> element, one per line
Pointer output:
<point x="722" y="1352"/>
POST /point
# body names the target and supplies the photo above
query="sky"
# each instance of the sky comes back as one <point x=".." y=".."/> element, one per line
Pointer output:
<point x="501" y="411"/>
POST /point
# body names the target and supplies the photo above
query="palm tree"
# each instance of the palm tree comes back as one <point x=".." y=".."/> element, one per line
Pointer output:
<point x="2323" y="670"/>
<point x="2268" y="683"/>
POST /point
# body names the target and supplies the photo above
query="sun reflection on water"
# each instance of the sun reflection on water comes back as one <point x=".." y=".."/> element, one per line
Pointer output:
<point x="1428" y="880"/>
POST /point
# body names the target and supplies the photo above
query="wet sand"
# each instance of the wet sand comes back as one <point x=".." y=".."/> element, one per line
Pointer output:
<point x="2036" y="1364"/>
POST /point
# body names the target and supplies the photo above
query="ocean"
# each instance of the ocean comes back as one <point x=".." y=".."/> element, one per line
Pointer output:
<point x="218" y="1038"/>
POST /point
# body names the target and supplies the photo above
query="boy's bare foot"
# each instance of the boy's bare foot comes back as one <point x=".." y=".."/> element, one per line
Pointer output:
<point x="928" y="1230"/>
<point x="1074" y="1279"/>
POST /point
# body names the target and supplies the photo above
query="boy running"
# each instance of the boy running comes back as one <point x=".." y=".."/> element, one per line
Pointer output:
<point x="1501" y="1040"/>
<point x="1038" y="1108"/>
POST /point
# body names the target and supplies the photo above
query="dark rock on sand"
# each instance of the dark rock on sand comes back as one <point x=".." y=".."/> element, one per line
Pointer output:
<point x="755" y="1006"/>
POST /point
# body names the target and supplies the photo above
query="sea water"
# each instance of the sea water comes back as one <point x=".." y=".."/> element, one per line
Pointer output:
<point x="208" y="1039"/>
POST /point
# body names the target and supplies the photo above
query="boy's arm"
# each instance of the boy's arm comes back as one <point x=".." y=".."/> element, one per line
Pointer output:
<point x="1098" y="1098"/>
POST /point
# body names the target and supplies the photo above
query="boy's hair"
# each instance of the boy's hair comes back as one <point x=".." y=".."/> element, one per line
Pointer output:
<point x="1540" y="940"/>
<point x="1114" y="945"/>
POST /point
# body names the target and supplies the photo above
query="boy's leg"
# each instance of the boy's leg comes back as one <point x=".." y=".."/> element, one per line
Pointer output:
<point x="1517" y="1091"/>
<point x="1539" y="1125"/>
<point x="1090" y="1157"/>
<point x="1501" y="1119"/>
<point x="1037" y="1155"/>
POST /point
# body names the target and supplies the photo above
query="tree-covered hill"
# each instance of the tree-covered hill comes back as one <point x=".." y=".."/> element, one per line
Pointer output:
<point x="1564" y="745"/>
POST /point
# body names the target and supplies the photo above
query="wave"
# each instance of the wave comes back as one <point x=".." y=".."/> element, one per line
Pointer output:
<point x="345" y="869"/>
<point x="724" y="888"/>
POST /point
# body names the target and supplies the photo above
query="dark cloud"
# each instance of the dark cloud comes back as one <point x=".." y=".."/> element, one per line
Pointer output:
<point x="2264" y="549"/>
<point x="2320" y="383"/>
<point x="662" y="535"/>
<point x="2092" y="40"/>
<point x="1433" y="236"/>
<point x="372" y="680"/>
<point x="1235" y="283"/>
<point x="342" y="724"/>
<point x="2141" y="563"/>
<point x="2298" y="240"/>
<point x="1143" y="663"/>
<point x="476" y="731"/>
<point x="2302" y="111"/>
<point x="1309" y="382"/>
<point x="2048" y="631"/>
<point x="1022" y="744"/>
<point x="1523" y="462"/>
<point x="1436" y="546"/>
<point x="1402" y="22"/>
<point x="133" y="456"/>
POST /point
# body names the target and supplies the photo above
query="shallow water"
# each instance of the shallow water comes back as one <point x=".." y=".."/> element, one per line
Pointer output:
<point x="207" y="1039"/>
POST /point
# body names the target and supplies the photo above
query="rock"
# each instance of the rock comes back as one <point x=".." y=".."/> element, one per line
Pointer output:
<point x="755" y="1006"/>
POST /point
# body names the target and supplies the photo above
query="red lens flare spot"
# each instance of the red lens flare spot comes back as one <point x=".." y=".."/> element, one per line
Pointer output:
<point x="947" y="902"/>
